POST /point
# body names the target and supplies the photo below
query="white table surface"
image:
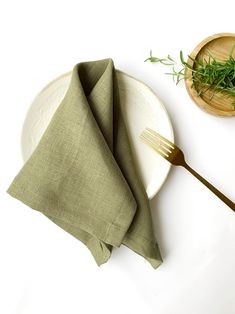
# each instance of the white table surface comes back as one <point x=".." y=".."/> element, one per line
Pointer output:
<point x="45" y="270"/>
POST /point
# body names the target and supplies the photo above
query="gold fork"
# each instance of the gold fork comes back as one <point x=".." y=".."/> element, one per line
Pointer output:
<point x="174" y="155"/>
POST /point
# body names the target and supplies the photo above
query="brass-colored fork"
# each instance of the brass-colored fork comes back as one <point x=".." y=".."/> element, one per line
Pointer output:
<point x="174" y="155"/>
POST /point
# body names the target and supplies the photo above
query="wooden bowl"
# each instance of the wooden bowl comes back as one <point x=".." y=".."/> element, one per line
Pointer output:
<point x="220" y="46"/>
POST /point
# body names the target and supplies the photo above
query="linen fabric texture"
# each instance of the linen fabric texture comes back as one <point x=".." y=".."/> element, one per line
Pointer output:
<point x="82" y="175"/>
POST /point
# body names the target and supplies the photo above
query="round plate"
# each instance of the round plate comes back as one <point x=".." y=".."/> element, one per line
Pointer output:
<point x="141" y="108"/>
<point x="219" y="46"/>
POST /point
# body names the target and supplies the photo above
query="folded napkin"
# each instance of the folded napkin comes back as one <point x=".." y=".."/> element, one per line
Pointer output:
<point x="82" y="175"/>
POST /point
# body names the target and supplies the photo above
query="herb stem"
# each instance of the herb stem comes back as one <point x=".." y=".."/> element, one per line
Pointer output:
<point x="207" y="74"/>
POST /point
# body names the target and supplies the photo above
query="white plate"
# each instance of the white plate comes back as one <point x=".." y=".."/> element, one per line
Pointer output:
<point x="141" y="108"/>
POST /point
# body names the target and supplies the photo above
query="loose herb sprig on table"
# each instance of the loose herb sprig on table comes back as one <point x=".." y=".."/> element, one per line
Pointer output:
<point x="214" y="75"/>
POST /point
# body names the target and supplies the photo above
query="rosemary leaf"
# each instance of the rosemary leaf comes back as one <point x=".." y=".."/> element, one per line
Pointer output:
<point x="207" y="74"/>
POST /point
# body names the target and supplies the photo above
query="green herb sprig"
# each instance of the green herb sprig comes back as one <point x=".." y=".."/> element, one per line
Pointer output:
<point x="207" y="74"/>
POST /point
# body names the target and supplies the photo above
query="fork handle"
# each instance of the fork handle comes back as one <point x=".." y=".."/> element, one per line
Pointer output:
<point x="223" y="198"/>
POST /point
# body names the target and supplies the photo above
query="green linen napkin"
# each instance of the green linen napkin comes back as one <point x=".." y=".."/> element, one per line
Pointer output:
<point x="82" y="175"/>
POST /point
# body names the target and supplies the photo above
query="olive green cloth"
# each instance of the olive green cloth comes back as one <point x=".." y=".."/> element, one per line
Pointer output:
<point x="82" y="176"/>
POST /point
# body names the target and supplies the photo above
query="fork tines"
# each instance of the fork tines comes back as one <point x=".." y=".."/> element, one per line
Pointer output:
<point x="159" y="143"/>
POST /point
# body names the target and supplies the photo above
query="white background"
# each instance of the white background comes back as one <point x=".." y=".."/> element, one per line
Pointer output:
<point x="45" y="270"/>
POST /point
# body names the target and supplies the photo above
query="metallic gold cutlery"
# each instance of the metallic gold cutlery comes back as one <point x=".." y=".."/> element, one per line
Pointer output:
<point x="174" y="155"/>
